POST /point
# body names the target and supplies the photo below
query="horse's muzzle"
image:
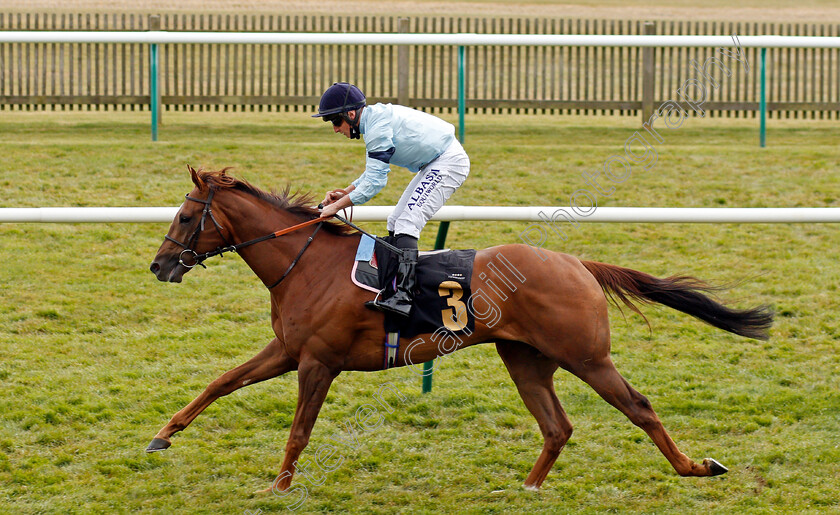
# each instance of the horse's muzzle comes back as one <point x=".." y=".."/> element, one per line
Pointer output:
<point x="171" y="272"/>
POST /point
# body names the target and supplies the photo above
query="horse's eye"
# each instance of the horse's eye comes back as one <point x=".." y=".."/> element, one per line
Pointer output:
<point x="184" y="219"/>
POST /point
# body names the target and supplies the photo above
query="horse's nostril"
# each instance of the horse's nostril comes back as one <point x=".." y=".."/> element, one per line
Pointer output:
<point x="155" y="268"/>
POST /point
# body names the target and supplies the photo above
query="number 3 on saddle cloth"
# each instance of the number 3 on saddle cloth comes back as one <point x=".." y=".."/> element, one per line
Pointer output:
<point x="441" y="297"/>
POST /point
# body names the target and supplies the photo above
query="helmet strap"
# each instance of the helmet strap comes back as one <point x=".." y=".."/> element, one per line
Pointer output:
<point x="354" y="125"/>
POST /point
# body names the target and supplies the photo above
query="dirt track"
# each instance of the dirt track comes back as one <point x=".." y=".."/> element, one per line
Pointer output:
<point x="777" y="11"/>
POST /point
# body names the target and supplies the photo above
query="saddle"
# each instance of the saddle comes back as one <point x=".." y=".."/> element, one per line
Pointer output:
<point x="442" y="294"/>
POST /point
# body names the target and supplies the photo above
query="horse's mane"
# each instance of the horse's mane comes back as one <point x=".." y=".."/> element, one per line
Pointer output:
<point x="297" y="203"/>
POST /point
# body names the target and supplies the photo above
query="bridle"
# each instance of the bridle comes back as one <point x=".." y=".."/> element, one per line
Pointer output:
<point x="228" y="247"/>
<point x="188" y="247"/>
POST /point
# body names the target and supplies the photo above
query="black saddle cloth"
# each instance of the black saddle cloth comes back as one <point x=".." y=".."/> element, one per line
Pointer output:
<point x="440" y="298"/>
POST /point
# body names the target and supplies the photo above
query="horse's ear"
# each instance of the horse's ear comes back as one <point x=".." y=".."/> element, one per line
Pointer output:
<point x="194" y="176"/>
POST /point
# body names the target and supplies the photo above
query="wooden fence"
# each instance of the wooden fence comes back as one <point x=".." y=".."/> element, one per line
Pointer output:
<point x="584" y="80"/>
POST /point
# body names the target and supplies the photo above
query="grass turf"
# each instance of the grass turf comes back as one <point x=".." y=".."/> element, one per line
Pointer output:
<point x="97" y="355"/>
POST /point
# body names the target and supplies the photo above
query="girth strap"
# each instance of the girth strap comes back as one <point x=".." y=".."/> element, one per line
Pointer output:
<point x="392" y="345"/>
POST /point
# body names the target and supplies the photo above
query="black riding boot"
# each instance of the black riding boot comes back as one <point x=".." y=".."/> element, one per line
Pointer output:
<point x="403" y="298"/>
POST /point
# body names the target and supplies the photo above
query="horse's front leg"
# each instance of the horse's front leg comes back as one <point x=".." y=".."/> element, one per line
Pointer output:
<point x="272" y="361"/>
<point x="314" y="380"/>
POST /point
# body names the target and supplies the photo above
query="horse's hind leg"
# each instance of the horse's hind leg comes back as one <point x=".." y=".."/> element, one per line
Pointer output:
<point x="533" y="373"/>
<point x="605" y="379"/>
<point x="272" y="361"/>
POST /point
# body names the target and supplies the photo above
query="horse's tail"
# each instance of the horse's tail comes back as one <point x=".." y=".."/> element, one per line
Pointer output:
<point x="682" y="293"/>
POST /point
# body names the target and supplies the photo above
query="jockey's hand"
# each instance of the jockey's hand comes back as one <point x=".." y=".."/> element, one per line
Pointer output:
<point x="333" y="196"/>
<point x="331" y="209"/>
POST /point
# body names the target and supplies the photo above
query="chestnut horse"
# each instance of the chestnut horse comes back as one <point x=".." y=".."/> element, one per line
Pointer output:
<point x="554" y="314"/>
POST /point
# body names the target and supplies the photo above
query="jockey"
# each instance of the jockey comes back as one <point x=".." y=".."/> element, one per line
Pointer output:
<point x="394" y="134"/>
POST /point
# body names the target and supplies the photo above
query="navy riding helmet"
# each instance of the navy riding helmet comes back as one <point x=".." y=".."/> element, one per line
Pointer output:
<point x="337" y="101"/>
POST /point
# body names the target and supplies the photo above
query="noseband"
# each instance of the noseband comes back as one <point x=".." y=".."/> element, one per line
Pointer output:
<point x="219" y="251"/>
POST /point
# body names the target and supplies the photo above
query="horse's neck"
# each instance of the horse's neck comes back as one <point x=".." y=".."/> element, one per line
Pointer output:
<point x="270" y="259"/>
<point x="259" y="220"/>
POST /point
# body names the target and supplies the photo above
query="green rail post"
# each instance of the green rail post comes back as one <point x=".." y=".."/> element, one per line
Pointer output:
<point x="429" y="366"/>
<point x="154" y="105"/>
<point x="154" y="78"/>
<point x="440" y="242"/>
<point x="762" y="104"/>
<point x="461" y="94"/>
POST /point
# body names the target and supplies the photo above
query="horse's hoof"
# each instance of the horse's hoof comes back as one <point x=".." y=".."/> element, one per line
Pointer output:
<point x="158" y="444"/>
<point x="715" y="468"/>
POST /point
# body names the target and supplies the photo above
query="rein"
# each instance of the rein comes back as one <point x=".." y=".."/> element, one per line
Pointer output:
<point x="235" y="248"/>
<point x="396" y="250"/>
